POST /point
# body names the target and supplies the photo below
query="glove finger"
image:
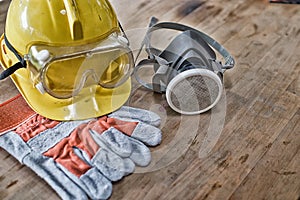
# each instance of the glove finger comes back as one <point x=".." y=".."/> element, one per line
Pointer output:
<point x="135" y="150"/>
<point x="82" y="155"/>
<point x="144" y="132"/>
<point x="114" y="140"/>
<point x="96" y="185"/>
<point x="148" y="134"/>
<point x="111" y="165"/>
<point x="56" y="177"/>
<point x="140" y="155"/>
<point x="136" y="114"/>
<point x="92" y="182"/>
<point x="129" y="166"/>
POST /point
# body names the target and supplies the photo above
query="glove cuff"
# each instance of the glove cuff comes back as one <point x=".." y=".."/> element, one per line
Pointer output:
<point x="13" y="113"/>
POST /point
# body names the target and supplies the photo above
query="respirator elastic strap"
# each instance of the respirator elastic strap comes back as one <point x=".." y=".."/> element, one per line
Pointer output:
<point x="229" y="61"/>
<point x="161" y="73"/>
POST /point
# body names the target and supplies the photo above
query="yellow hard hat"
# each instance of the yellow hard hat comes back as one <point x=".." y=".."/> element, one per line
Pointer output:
<point x="69" y="59"/>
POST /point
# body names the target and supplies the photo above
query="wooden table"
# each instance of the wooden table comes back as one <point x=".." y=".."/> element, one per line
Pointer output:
<point x="245" y="148"/>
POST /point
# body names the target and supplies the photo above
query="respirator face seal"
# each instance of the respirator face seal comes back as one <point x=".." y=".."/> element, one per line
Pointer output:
<point x="187" y="70"/>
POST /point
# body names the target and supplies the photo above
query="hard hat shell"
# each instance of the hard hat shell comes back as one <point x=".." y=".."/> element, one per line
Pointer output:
<point x="57" y="23"/>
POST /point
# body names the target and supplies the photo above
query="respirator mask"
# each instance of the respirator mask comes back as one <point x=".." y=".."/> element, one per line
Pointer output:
<point x="187" y="70"/>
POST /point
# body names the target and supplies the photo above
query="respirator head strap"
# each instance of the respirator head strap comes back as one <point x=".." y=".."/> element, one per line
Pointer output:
<point x="229" y="61"/>
<point x="162" y="71"/>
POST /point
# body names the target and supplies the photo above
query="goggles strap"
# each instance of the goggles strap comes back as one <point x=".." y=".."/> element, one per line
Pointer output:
<point x="9" y="71"/>
<point x="120" y="25"/>
<point x="21" y="64"/>
<point x="12" y="49"/>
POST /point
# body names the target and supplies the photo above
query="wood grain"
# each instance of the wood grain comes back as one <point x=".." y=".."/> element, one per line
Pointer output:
<point x="257" y="153"/>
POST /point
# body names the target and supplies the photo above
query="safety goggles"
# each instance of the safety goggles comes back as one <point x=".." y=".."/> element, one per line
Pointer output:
<point x="64" y="71"/>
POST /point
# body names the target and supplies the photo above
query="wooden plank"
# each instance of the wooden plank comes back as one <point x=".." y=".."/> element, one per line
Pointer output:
<point x="19" y="182"/>
<point x="3" y="9"/>
<point x="217" y="186"/>
<point x="282" y="162"/>
<point x="240" y="152"/>
<point x="257" y="151"/>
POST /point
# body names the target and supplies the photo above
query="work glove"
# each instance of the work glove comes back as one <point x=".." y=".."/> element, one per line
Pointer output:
<point x="79" y="159"/>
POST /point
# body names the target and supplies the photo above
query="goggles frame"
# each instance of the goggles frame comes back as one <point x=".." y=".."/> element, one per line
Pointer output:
<point x="45" y="58"/>
<point x="40" y="62"/>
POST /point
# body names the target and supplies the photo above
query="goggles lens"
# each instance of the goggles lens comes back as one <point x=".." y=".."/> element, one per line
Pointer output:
<point x="64" y="76"/>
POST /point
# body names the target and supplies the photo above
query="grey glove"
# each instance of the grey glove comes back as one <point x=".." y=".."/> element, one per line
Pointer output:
<point x="79" y="159"/>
